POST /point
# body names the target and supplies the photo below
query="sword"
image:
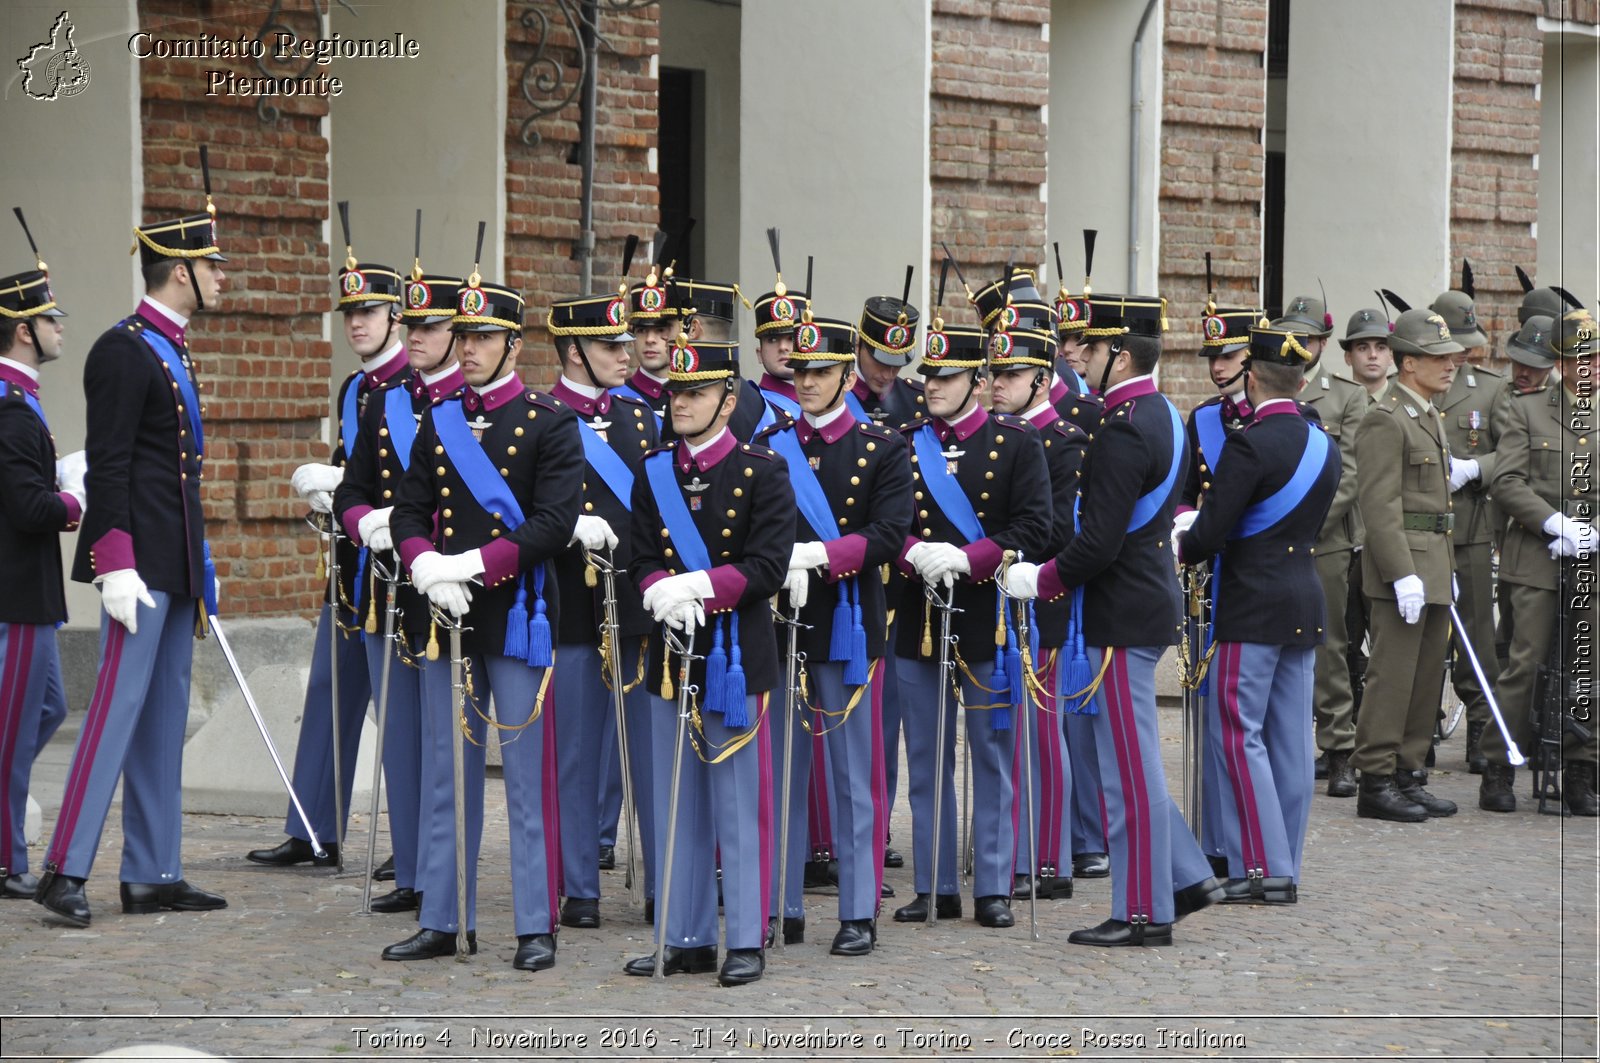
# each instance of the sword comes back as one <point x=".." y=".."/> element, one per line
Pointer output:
<point x="946" y="607"/>
<point x="266" y="736"/>
<point x="1196" y="630"/>
<point x="1025" y="736"/>
<point x="790" y="715"/>
<point x="682" y="649"/>
<point x="390" y="579"/>
<point x="1513" y="754"/>
<point x="458" y="722"/>
<point x="612" y="632"/>
<point x="332" y="532"/>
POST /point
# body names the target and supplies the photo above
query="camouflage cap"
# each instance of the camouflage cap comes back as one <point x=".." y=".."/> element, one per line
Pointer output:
<point x="1531" y="345"/>
<point x="1458" y="312"/>
<point x="1422" y="331"/>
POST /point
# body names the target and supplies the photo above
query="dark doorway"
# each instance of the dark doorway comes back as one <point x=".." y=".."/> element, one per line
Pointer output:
<point x="680" y="160"/>
<point x="1272" y="197"/>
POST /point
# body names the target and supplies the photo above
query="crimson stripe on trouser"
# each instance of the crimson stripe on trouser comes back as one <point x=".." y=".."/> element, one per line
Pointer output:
<point x="1253" y="845"/>
<point x="819" y="823"/>
<point x="1130" y="769"/>
<point x="880" y="788"/>
<point x="94" y="726"/>
<point x="1053" y="779"/>
<point x="18" y="653"/>
<point x="764" y="804"/>
<point x="552" y="811"/>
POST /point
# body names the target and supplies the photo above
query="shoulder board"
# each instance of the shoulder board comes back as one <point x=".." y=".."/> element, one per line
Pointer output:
<point x="132" y="324"/>
<point x="771" y="429"/>
<point x="351" y="378"/>
<point x="1341" y="378"/>
<point x="1484" y="370"/>
<point x="662" y="448"/>
<point x="12" y="392"/>
<point x="876" y="431"/>
<point x="913" y="425"/>
<point x="1011" y="421"/>
<point x="1064" y="427"/>
<point x="756" y="450"/>
<point x="919" y="386"/>
<point x="543" y="400"/>
<point x="629" y="400"/>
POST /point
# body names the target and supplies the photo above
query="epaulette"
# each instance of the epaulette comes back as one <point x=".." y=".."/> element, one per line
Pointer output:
<point x="12" y="391"/>
<point x="876" y="431"/>
<point x="631" y="400"/>
<point x="1008" y="420"/>
<point x="1064" y="427"/>
<point x="912" y="425"/>
<point x="756" y="450"/>
<point x="132" y="324"/>
<point x="543" y="400"/>
<point x="663" y="447"/>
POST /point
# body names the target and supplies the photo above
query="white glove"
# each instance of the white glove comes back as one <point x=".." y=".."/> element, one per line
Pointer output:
<point x="216" y="591"/>
<point x="808" y="556"/>
<point x="431" y="567"/>
<point x="1409" y="596"/>
<point x="594" y="533"/>
<point x="70" y="472"/>
<point x="686" y="617"/>
<point x="664" y="596"/>
<point x="1022" y="580"/>
<point x="315" y="477"/>
<point x="1455" y="588"/>
<point x="944" y="562"/>
<point x="1462" y="472"/>
<point x="121" y="593"/>
<point x="1579" y="537"/>
<point x="320" y="501"/>
<point x="1184" y="521"/>
<point x="798" y="584"/>
<point x="451" y="596"/>
<point x="373" y="528"/>
<point x="1561" y="547"/>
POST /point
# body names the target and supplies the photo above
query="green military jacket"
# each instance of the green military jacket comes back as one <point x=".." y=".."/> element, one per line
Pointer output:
<point x="1404" y="497"/>
<point x="1546" y="462"/>
<point x="1470" y="408"/>
<point x="1341" y="403"/>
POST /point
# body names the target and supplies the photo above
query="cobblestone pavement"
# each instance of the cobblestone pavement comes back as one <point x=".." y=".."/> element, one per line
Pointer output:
<point x="1467" y="937"/>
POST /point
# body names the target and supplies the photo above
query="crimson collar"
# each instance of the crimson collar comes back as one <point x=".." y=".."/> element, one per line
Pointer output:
<point x="708" y="457"/>
<point x="583" y="404"/>
<point x="969" y="423"/>
<point x="495" y="396"/>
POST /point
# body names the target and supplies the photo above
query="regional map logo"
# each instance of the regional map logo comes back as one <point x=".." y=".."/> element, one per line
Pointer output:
<point x="55" y="69"/>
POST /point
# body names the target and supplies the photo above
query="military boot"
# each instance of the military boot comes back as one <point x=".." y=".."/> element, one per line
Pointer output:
<point x="1341" y="776"/>
<point x="1475" y="757"/>
<point x="1495" y="792"/>
<point x="1379" y="799"/>
<point x="1577" y="783"/>
<point x="1409" y="783"/>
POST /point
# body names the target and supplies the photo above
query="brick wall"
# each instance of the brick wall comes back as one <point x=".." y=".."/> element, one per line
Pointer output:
<point x="991" y="76"/>
<point x="261" y="359"/>
<point x="543" y="190"/>
<point x="1494" y="188"/>
<point x="1213" y="171"/>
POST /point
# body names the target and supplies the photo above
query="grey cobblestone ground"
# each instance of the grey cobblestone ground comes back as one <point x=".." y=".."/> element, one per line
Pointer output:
<point x="1464" y="938"/>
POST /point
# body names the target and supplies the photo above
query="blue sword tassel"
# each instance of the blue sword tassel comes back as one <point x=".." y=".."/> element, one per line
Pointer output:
<point x="1216" y="573"/>
<point x="1000" y="715"/>
<point x="1078" y="674"/>
<point x="856" y="672"/>
<point x="541" y="650"/>
<point x="716" y="670"/>
<point x="839" y="637"/>
<point x="517" y="625"/>
<point x="735" y="713"/>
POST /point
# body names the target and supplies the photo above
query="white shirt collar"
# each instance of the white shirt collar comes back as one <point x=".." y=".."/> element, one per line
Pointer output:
<point x="383" y="358"/>
<point x="695" y="449"/>
<point x="166" y="311"/>
<point x="588" y="391"/>
<point x="434" y="378"/>
<point x="1045" y="405"/>
<point x="1274" y="403"/>
<point x="495" y="385"/>
<point x="823" y="420"/>
<point x="652" y="376"/>
<point x="27" y="370"/>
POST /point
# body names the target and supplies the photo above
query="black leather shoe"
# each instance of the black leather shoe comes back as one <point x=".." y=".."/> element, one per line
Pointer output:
<point x="535" y="952"/>
<point x="699" y="960"/>
<point x="608" y="858"/>
<point x="856" y="937"/>
<point x="399" y="900"/>
<point x="993" y="911"/>
<point x="581" y="912"/>
<point x="428" y="945"/>
<point x="1050" y="887"/>
<point x="295" y="851"/>
<point x="1275" y="890"/>
<point x="1193" y="898"/>
<point x="1219" y="865"/>
<point x="885" y="890"/>
<point x="892" y="857"/>
<point x="1379" y="799"/>
<point x="63" y="897"/>
<point x="140" y="898"/>
<point x="1410" y="786"/>
<point x="1091" y="865"/>
<point x="794" y="930"/>
<point x="1114" y="933"/>
<point x="20" y="887"/>
<point x="742" y="966"/>
<point x="949" y="907"/>
<point x="1476" y="759"/>
<point x="1319" y="767"/>
<point x="384" y="872"/>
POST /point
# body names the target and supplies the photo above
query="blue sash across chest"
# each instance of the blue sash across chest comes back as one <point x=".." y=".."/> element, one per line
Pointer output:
<point x="608" y="463"/>
<point x="401" y="422"/>
<point x="169" y="355"/>
<point x="1211" y="432"/>
<point x="947" y="492"/>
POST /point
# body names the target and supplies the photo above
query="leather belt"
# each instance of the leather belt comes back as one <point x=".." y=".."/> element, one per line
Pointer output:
<point x="1437" y="523"/>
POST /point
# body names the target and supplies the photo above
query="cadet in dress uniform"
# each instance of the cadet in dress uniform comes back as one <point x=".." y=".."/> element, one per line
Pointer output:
<point x="1407" y="570"/>
<point x="706" y="311"/>
<point x="1119" y="555"/>
<point x="1015" y="304"/>
<point x="590" y="335"/>
<point x="852" y="485"/>
<point x="40" y="498"/>
<point x="1022" y="363"/>
<point x="364" y="503"/>
<point x="1340" y="403"/>
<point x="652" y="321"/>
<point x="1470" y="409"/>
<point x="147" y="555"/>
<point x="504" y="488"/>
<point x="1226" y="348"/>
<point x="1270" y="486"/>
<point x="713" y="525"/>
<point x="976" y="482"/>
<point x="369" y="302"/>
<point x="1545" y="482"/>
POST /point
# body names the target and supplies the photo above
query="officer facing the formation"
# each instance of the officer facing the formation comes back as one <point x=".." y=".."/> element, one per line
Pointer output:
<point x="852" y="486"/>
<point x="1407" y="570"/>
<point x="504" y="489"/>
<point x="713" y="526"/>
<point x="1270" y="486"/>
<point x="363" y="503"/>
<point x="1545" y="482"/>
<point x="369" y="302"/>
<point x="1022" y="364"/>
<point x="146" y="554"/>
<point x="1471" y="408"/>
<point x="590" y="334"/>
<point x="1118" y="556"/>
<point x="40" y="497"/>
<point x="1340" y="404"/>
<point x="976" y="482"/>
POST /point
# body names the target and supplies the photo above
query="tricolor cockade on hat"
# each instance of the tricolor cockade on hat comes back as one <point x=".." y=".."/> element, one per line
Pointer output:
<point x="822" y="342"/>
<point x="485" y="307"/>
<point x="1013" y="302"/>
<point x="699" y="363"/>
<point x="779" y="311"/>
<point x="363" y="284"/>
<point x="1021" y="348"/>
<point x="429" y="299"/>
